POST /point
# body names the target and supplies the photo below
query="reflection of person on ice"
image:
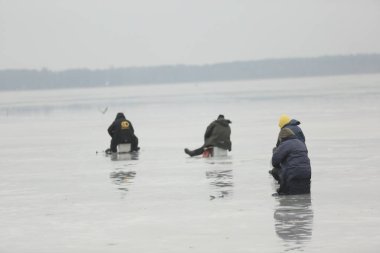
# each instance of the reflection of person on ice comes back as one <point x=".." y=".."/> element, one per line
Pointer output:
<point x="217" y="135"/>
<point x="291" y="156"/>
<point x="121" y="131"/>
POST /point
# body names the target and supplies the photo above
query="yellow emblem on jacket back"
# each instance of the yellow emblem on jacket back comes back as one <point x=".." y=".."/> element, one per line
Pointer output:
<point x="124" y="125"/>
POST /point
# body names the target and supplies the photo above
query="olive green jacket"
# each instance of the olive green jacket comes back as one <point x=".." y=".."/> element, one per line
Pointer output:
<point x="218" y="134"/>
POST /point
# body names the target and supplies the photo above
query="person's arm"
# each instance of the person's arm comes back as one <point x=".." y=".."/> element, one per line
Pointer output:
<point x="279" y="154"/>
<point x="111" y="129"/>
<point x="131" y="127"/>
<point x="209" y="130"/>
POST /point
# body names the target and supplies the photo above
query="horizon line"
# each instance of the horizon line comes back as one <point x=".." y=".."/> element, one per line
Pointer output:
<point x="191" y="65"/>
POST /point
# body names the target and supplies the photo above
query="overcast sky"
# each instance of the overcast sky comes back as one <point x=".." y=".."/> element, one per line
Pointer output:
<point x="62" y="34"/>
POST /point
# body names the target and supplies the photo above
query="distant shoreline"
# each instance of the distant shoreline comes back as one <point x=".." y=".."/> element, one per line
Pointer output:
<point x="23" y="79"/>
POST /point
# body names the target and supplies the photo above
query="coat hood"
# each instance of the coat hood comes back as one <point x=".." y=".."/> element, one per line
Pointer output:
<point x="293" y="122"/>
<point x="286" y="133"/>
<point x="223" y="122"/>
<point x="120" y="115"/>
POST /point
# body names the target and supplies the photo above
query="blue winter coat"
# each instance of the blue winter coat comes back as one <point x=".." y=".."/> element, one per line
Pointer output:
<point x="293" y="125"/>
<point x="292" y="157"/>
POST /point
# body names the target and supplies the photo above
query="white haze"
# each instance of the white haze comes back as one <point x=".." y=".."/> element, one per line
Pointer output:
<point x="121" y="33"/>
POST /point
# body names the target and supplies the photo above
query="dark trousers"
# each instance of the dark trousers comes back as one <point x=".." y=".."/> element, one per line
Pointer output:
<point x="197" y="151"/>
<point x="294" y="186"/>
<point x="275" y="172"/>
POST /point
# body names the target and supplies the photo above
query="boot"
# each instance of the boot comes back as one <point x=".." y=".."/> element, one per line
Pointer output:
<point x="187" y="151"/>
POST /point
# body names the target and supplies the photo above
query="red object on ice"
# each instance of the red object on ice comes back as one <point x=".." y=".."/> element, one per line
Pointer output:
<point x="207" y="152"/>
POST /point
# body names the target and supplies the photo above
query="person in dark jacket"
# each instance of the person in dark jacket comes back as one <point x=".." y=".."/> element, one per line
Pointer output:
<point x="286" y="122"/>
<point x="121" y="131"/>
<point x="291" y="156"/>
<point x="217" y="135"/>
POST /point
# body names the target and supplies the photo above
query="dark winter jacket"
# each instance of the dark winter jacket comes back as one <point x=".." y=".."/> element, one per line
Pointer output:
<point x="292" y="157"/>
<point x="218" y="134"/>
<point x="121" y="131"/>
<point x="293" y="125"/>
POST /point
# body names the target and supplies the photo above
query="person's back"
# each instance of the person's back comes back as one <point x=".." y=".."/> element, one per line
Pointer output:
<point x="286" y="122"/>
<point x="292" y="157"/>
<point x="218" y="134"/>
<point x="121" y="131"/>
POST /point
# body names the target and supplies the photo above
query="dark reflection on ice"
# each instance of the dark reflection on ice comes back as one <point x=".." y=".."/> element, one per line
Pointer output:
<point x="294" y="220"/>
<point x="221" y="179"/>
<point x="124" y="156"/>
<point x="123" y="179"/>
<point x="219" y="160"/>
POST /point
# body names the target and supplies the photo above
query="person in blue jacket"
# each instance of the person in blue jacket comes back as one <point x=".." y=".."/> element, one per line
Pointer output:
<point x="286" y="122"/>
<point x="291" y="156"/>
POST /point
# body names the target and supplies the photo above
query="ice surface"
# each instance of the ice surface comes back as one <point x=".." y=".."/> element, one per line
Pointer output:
<point x="61" y="193"/>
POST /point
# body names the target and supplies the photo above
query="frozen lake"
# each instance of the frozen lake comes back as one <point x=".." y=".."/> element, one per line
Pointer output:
<point x="60" y="193"/>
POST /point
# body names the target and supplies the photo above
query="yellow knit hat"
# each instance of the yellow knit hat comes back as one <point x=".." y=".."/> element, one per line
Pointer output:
<point x="284" y="119"/>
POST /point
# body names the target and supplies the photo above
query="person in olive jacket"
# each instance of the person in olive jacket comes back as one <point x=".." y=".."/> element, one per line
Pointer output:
<point x="291" y="156"/>
<point x="121" y="131"/>
<point x="217" y="135"/>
